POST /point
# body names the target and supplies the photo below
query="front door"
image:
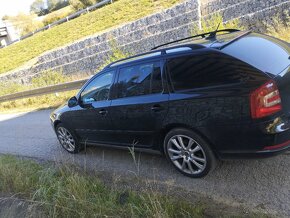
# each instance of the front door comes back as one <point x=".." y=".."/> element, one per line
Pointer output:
<point x="92" y="121"/>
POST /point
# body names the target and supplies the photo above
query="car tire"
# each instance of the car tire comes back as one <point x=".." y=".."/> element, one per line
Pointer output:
<point x="67" y="139"/>
<point x="189" y="153"/>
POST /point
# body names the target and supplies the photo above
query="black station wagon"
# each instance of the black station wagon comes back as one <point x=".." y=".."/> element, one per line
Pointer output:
<point x="206" y="97"/>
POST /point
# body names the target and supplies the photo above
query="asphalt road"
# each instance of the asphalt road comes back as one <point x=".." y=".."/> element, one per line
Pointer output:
<point x="262" y="184"/>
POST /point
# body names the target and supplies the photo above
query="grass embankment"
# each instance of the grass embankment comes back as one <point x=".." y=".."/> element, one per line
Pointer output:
<point x="64" y="192"/>
<point x="119" y="12"/>
<point x="47" y="78"/>
<point x="278" y="29"/>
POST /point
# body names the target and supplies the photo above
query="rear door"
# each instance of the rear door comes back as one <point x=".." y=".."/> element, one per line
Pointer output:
<point x="140" y="104"/>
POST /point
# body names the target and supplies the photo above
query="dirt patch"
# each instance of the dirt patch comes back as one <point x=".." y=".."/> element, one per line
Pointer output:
<point x="14" y="207"/>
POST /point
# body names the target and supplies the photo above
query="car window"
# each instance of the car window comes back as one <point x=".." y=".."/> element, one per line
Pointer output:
<point x="98" y="89"/>
<point x="267" y="54"/>
<point x="139" y="80"/>
<point x="207" y="70"/>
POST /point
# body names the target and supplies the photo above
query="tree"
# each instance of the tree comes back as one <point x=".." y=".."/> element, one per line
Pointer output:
<point x="25" y="23"/>
<point x="54" y="5"/>
<point x="5" y="17"/>
<point x="37" y="7"/>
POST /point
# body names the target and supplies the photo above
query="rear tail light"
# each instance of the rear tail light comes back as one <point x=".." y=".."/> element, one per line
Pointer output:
<point x="265" y="100"/>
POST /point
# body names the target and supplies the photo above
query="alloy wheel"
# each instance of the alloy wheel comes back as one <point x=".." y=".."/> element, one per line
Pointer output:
<point x="186" y="154"/>
<point x="66" y="139"/>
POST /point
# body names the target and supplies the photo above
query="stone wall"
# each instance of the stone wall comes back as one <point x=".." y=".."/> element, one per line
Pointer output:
<point x="86" y="55"/>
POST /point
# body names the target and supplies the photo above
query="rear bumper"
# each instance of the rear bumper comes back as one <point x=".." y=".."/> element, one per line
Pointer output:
<point x="255" y="154"/>
<point x="253" y="140"/>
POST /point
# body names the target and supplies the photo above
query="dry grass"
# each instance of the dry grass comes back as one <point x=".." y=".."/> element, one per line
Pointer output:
<point x="65" y="192"/>
<point x="280" y="28"/>
<point x="36" y="103"/>
<point x="39" y="102"/>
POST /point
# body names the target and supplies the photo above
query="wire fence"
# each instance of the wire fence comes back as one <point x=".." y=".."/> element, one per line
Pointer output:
<point x="63" y="20"/>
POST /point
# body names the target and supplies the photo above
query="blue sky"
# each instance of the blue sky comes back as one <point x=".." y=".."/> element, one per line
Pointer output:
<point x="13" y="7"/>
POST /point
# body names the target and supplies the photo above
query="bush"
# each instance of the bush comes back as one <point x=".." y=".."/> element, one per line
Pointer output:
<point x="47" y="79"/>
<point x="57" y="15"/>
<point x="280" y="26"/>
<point x="25" y="23"/>
<point x="76" y="4"/>
<point x="81" y="4"/>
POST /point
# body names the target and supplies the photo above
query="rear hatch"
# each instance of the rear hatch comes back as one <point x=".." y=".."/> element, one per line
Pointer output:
<point x="270" y="55"/>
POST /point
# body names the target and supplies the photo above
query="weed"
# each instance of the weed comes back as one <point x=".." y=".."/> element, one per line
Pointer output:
<point x="279" y="28"/>
<point x="116" y="54"/>
<point x="133" y="155"/>
<point x="214" y="21"/>
<point x="65" y="192"/>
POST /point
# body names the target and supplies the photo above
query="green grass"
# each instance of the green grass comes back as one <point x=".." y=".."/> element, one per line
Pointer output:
<point x="39" y="102"/>
<point x="66" y="192"/>
<point x="46" y="79"/>
<point x="43" y="102"/>
<point x="119" y="12"/>
<point x="53" y="100"/>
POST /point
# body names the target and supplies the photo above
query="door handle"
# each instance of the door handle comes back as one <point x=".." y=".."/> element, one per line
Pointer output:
<point x="103" y="112"/>
<point x="156" y="108"/>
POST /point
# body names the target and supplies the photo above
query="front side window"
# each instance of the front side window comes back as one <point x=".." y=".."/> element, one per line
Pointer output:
<point x="139" y="80"/>
<point x="98" y="89"/>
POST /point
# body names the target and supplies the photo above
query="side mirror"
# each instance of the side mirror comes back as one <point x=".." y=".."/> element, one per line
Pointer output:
<point x="73" y="101"/>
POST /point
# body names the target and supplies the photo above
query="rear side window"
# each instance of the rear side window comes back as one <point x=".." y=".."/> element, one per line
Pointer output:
<point x="206" y="70"/>
<point x="266" y="54"/>
<point x="139" y="80"/>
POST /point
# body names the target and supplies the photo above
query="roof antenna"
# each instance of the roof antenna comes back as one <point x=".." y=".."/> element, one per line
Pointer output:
<point x="213" y="33"/>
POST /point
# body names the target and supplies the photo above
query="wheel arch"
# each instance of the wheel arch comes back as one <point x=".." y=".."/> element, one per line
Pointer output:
<point x="172" y="126"/>
<point x="56" y="123"/>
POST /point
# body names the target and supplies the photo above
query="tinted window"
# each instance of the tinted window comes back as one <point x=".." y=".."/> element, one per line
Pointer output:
<point x="266" y="54"/>
<point x="139" y="80"/>
<point x="207" y="70"/>
<point x="98" y="89"/>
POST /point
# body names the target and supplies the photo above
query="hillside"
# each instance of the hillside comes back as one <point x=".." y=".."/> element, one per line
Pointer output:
<point x="119" y="12"/>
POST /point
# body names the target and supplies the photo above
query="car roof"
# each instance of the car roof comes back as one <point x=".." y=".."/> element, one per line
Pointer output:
<point x="217" y="41"/>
